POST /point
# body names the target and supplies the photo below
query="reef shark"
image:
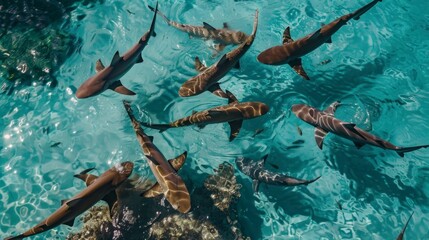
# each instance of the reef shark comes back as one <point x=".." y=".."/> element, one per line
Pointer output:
<point x="234" y="113"/>
<point x="256" y="171"/>
<point x="108" y="77"/>
<point x="325" y="122"/>
<point x="223" y="37"/>
<point x="291" y="51"/>
<point x="401" y="235"/>
<point x="209" y="76"/>
<point x="70" y="209"/>
<point x="170" y="183"/>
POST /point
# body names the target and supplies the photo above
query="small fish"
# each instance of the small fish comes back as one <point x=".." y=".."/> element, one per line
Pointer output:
<point x="55" y="144"/>
<point x="325" y="62"/>
<point x="258" y="131"/>
<point x="299" y="130"/>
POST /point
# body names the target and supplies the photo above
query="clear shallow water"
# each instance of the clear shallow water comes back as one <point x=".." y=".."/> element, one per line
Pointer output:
<point x="378" y="69"/>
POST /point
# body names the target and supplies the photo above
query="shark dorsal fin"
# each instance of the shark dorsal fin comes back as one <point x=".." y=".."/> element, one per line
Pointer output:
<point x="199" y="66"/>
<point x="69" y="223"/>
<point x="297" y="66"/>
<point x="208" y="26"/>
<point x="332" y="108"/>
<point x="225" y="25"/>
<point x="231" y="97"/>
<point x="139" y="59"/>
<point x="358" y="144"/>
<point x="235" y="128"/>
<point x="319" y="135"/>
<point x="99" y="65"/>
<point x="116" y="58"/>
<point x="222" y="60"/>
<point x="286" y="36"/>
<point x="314" y="35"/>
<point x="264" y="159"/>
<point x="178" y="162"/>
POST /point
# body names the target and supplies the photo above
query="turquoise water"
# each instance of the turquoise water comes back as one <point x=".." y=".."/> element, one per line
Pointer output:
<point x="378" y="68"/>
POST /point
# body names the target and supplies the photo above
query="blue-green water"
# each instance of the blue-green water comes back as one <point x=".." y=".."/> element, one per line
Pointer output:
<point x="378" y="68"/>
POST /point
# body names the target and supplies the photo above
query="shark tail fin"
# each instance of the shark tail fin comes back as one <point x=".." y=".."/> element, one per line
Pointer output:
<point x="155" y="10"/>
<point x="402" y="150"/>
<point x="160" y="127"/>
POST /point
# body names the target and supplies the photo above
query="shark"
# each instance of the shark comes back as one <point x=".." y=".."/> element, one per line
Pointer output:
<point x="207" y="79"/>
<point x="71" y="208"/>
<point x="170" y="183"/>
<point x="222" y="36"/>
<point x="109" y="77"/>
<point x="291" y="51"/>
<point x="325" y="122"/>
<point x="234" y="113"/>
<point x="257" y="171"/>
<point x="401" y="235"/>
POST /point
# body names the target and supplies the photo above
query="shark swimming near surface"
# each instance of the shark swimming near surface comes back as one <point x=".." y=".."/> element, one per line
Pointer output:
<point x="291" y="51"/>
<point x="108" y="77"/>
<point x="257" y="171"/>
<point x="222" y="36"/>
<point x="170" y="183"/>
<point x="325" y="122"/>
<point x="71" y="208"/>
<point x="207" y="79"/>
<point x="234" y="113"/>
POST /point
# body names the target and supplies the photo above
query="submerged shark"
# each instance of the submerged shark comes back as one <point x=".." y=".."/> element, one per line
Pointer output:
<point x="223" y="37"/>
<point x="209" y="76"/>
<point x="234" y="113"/>
<point x="70" y="209"/>
<point x="291" y="51"/>
<point x="325" y="122"/>
<point x="170" y="183"/>
<point x="401" y="235"/>
<point x="108" y="77"/>
<point x="256" y="171"/>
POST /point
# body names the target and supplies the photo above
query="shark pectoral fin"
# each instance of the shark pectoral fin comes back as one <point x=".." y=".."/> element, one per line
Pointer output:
<point x="154" y="191"/>
<point x="99" y="65"/>
<point x="201" y="125"/>
<point x="358" y="144"/>
<point x="222" y="60"/>
<point x="87" y="178"/>
<point x="216" y="90"/>
<point x="116" y="58"/>
<point x="139" y="59"/>
<point x="199" y="66"/>
<point x="297" y="66"/>
<point x="69" y="223"/>
<point x="225" y="25"/>
<point x="315" y="35"/>
<point x="119" y="88"/>
<point x="286" y="36"/>
<point x="151" y="138"/>
<point x="255" y="185"/>
<point x="208" y="26"/>
<point x="349" y="126"/>
<point x="237" y="65"/>
<point x="110" y="199"/>
<point x="178" y="162"/>
<point x="231" y="97"/>
<point x="261" y="163"/>
<point x="86" y="170"/>
<point x="319" y="135"/>
<point x="235" y="128"/>
<point x="332" y="108"/>
<point x="329" y="40"/>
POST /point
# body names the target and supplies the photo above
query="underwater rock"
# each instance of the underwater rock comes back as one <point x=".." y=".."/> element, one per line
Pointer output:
<point x="224" y="186"/>
<point x="93" y="219"/>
